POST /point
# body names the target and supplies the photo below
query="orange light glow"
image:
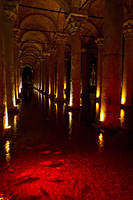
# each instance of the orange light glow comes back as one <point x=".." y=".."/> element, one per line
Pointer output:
<point x="102" y="116"/>
<point x="14" y="98"/>
<point x="49" y="101"/>
<point x="97" y="109"/>
<point x="70" y="122"/>
<point x="6" y="126"/>
<point x="123" y="100"/>
<point x="49" y="88"/>
<point x="98" y="93"/>
<point x="100" y="141"/>
<point x="64" y="89"/>
<point x="56" y="108"/>
<point x="123" y="97"/>
<point x="70" y="101"/>
<point x="20" y="86"/>
<point x="122" y="116"/>
<point x="7" y="150"/>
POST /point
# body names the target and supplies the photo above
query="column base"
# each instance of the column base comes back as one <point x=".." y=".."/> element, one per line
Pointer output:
<point x="111" y="117"/>
<point x="101" y="127"/>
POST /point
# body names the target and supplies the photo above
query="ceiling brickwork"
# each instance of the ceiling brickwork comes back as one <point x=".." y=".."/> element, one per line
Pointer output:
<point x="42" y="20"/>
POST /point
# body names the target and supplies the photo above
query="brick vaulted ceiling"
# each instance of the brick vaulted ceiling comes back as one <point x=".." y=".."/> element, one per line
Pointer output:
<point x="39" y="24"/>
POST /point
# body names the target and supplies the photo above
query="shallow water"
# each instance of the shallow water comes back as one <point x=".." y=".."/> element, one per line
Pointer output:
<point x="52" y="153"/>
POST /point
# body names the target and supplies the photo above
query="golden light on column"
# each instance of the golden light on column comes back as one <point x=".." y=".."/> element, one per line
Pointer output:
<point x="15" y="121"/>
<point x="123" y="100"/>
<point x="97" y="109"/>
<point x="56" y="108"/>
<point x="6" y="126"/>
<point x="49" y="101"/>
<point x="98" y="93"/>
<point x="70" y="122"/>
<point x="49" y="88"/>
<point x="123" y="96"/>
<point x="102" y="116"/>
<point x="14" y="98"/>
<point x="64" y="89"/>
<point x="20" y="86"/>
<point x="70" y="102"/>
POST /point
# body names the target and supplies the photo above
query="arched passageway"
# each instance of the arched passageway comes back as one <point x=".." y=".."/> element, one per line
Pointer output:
<point x="27" y="82"/>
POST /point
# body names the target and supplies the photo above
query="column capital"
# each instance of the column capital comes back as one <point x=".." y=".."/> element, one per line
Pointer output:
<point x="10" y="10"/>
<point x="61" y="38"/>
<point x="74" y="21"/>
<point x="99" y="42"/>
<point x="128" y="29"/>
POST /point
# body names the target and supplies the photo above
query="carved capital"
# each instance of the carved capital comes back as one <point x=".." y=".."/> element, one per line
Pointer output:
<point x="61" y="38"/>
<point x="128" y="29"/>
<point x="10" y="10"/>
<point x="74" y="22"/>
<point x="99" y="42"/>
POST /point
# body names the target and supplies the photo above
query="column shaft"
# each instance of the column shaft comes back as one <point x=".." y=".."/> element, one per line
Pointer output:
<point x="127" y="88"/>
<point x="111" y="79"/>
<point x="60" y="70"/>
<point x="52" y="74"/>
<point x="75" y="72"/>
<point x="99" y="43"/>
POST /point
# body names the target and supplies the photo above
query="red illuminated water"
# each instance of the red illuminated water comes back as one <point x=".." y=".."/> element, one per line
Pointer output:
<point x="58" y="155"/>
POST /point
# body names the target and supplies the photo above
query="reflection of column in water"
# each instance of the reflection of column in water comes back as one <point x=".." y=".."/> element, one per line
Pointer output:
<point x="41" y="96"/>
<point x="60" y="115"/>
<point x="74" y="124"/>
<point x="93" y="105"/>
<point x="49" y="106"/>
<point x="122" y="116"/>
<point x="100" y="142"/>
<point x="97" y="110"/>
<point x="70" y="101"/>
<point x="7" y="150"/>
<point x="70" y="123"/>
<point x="56" y="109"/>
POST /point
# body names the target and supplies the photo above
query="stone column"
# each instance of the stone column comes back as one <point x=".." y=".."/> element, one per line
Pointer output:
<point x="60" y="67"/>
<point x="75" y="66"/>
<point x="40" y="74"/>
<point x="111" y="76"/>
<point x="37" y="75"/>
<point x="9" y="19"/>
<point x="2" y="70"/>
<point x="42" y="69"/>
<point x="84" y="74"/>
<point x="127" y="88"/>
<point x="16" y="32"/>
<point x="99" y="43"/>
<point x="46" y="73"/>
<point x="52" y="73"/>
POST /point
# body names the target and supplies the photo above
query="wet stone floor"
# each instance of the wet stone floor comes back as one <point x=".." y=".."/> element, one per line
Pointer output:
<point x="54" y="154"/>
